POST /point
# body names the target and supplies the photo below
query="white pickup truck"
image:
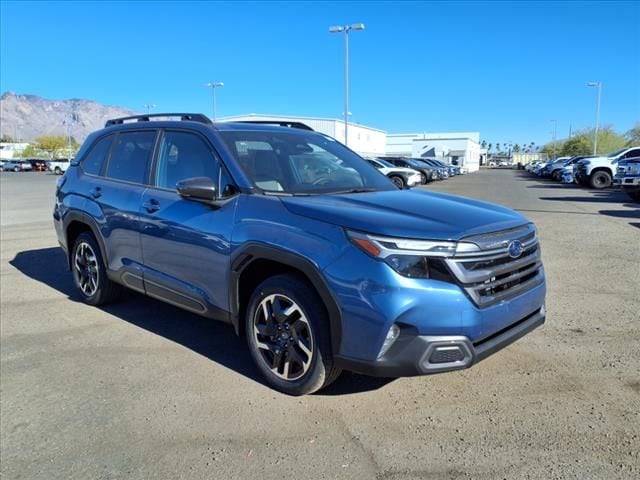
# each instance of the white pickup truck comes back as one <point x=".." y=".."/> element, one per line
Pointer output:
<point x="597" y="172"/>
<point x="59" y="165"/>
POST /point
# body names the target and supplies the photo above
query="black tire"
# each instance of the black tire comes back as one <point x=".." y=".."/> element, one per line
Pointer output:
<point x="556" y="175"/>
<point x="600" y="179"/>
<point x="633" y="194"/>
<point x="289" y="290"/>
<point x="57" y="171"/>
<point x="398" y="181"/>
<point x="16" y="169"/>
<point x="106" y="291"/>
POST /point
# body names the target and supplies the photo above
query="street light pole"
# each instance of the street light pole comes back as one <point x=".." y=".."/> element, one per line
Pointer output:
<point x="213" y="86"/>
<point x="595" y="140"/>
<point x="555" y="135"/>
<point x="345" y="30"/>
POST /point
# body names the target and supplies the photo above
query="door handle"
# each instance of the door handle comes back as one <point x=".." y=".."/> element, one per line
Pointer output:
<point x="95" y="192"/>
<point x="151" y="206"/>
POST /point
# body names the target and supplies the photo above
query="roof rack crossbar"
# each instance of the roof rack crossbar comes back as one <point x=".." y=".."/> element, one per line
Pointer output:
<point x="281" y="123"/>
<point x="190" y="117"/>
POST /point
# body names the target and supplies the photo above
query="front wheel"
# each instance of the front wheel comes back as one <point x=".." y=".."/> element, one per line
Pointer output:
<point x="397" y="181"/>
<point x="57" y="171"/>
<point x="287" y="332"/>
<point x="600" y="180"/>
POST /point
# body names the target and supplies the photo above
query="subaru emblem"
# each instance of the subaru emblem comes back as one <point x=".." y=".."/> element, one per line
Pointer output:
<point x="515" y="249"/>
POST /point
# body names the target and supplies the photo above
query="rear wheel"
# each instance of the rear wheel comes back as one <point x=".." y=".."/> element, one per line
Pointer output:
<point x="89" y="272"/>
<point x="397" y="181"/>
<point x="57" y="171"/>
<point x="600" y="179"/>
<point x="16" y="169"/>
<point x="287" y="332"/>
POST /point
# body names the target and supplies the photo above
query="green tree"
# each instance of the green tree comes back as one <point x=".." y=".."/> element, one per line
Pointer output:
<point x="578" y="144"/>
<point x="52" y="144"/>
<point x="31" y="151"/>
<point x="4" y="138"/>
<point x="483" y="144"/>
<point x="633" y="136"/>
<point x="516" y="148"/>
<point x="489" y="147"/>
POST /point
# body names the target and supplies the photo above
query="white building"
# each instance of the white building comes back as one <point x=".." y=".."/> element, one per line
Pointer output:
<point x="362" y="139"/>
<point x="9" y="151"/>
<point x="461" y="148"/>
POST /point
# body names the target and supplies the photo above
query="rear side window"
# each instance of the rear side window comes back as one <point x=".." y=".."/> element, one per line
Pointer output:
<point x="130" y="156"/>
<point x="92" y="163"/>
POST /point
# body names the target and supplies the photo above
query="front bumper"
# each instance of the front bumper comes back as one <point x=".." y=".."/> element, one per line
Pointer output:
<point x="626" y="181"/>
<point x="413" y="355"/>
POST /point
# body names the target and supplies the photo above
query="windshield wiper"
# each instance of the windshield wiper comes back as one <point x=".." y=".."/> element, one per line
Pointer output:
<point x="353" y="190"/>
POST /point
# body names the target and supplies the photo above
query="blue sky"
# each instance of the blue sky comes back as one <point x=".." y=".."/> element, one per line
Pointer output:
<point x="505" y="69"/>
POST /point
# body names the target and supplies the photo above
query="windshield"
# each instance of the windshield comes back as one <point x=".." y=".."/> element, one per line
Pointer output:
<point x="615" y="154"/>
<point x="418" y="163"/>
<point x="385" y="163"/>
<point x="301" y="162"/>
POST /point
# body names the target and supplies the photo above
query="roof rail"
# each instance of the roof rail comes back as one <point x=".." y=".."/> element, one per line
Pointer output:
<point x="281" y="123"/>
<point x="190" y="117"/>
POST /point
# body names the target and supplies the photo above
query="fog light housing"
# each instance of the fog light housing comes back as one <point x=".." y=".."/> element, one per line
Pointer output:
<point x="392" y="336"/>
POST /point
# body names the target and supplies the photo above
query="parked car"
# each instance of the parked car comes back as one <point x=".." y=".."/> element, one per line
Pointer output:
<point x="16" y="166"/>
<point x="430" y="173"/>
<point x="566" y="174"/>
<point x="401" y="177"/>
<point x="546" y="170"/>
<point x="597" y="172"/>
<point x="59" y="165"/>
<point x="320" y="275"/>
<point x="442" y="170"/>
<point x="37" y="164"/>
<point x="451" y="169"/>
<point x="628" y="177"/>
<point x="554" y="169"/>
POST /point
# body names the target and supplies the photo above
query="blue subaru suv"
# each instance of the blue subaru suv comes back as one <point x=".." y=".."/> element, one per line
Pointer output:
<point x="298" y="243"/>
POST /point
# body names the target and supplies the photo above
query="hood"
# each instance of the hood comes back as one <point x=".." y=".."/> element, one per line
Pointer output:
<point x="407" y="213"/>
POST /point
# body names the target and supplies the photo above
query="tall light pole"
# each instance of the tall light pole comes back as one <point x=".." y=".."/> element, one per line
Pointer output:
<point x="595" y="139"/>
<point x="149" y="106"/>
<point x="346" y="29"/>
<point x="213" y="86"/>
<point x="555" y="135"/>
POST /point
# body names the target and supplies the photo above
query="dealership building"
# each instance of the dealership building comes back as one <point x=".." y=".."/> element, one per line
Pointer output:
<point x="462" y="148"/>
<point x="365" y="140"/>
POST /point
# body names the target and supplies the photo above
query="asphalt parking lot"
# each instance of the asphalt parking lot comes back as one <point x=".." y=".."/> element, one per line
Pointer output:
<point x="142" y="390"/>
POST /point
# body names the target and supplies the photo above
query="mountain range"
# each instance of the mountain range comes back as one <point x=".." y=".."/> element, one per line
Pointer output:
<point x="26" y="117"/>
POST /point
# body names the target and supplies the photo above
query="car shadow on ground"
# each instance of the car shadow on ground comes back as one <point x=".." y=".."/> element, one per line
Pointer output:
<point x="209" y="338"/>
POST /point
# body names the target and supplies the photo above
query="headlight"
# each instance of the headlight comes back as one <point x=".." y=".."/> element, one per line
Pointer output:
<point x="408" y="257"/>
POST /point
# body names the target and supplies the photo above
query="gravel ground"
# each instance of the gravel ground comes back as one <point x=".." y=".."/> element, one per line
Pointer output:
<point x="142" y="390"/>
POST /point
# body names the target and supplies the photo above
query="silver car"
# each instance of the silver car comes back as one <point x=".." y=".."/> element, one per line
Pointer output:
<point x="16" y="166"/>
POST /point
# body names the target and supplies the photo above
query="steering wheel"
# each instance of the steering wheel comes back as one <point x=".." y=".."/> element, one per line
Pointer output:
<point x="321" y="181"/>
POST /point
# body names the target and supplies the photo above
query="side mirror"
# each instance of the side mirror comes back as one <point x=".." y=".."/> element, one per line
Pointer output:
<point x="197" y="188"/>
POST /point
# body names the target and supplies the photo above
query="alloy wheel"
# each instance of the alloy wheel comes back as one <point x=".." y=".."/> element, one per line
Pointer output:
<point x="86" y="269"/>
<point x="283" y="337"/>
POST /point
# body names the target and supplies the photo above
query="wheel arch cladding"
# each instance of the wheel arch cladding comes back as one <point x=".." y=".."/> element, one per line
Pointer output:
<point x="76" y="223"/>
<point x="254" y="263"/>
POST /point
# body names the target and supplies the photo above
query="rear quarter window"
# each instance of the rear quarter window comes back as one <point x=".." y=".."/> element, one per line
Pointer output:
<point x="93" y="161"/>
